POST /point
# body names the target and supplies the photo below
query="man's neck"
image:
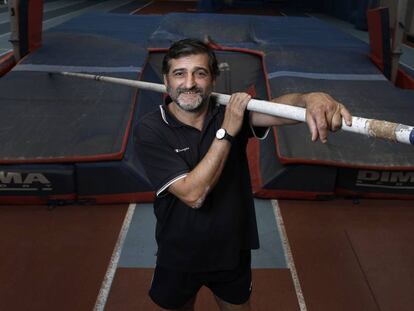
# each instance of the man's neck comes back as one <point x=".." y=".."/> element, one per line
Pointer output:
<point x="194" y="119"/>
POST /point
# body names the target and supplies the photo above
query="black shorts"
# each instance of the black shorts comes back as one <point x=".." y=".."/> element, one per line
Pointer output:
<point x="172" y="289"/>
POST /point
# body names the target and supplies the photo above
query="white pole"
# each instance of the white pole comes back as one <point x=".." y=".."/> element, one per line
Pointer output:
<point x="370" y="127"/>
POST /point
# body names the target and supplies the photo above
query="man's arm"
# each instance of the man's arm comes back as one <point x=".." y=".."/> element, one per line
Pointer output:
<point x="193" y="189"/>
<point x="323" y="113"/>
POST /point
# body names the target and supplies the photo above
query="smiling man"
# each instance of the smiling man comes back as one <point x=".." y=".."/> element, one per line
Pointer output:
<point x="194" y="153"/>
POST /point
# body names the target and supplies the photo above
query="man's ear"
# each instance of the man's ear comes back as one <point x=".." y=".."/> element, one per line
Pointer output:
<point x="165" y="79"/>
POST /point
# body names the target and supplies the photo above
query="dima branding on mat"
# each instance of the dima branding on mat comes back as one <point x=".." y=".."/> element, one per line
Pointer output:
<point x="394" y="179"/>
<point x="23" y="180"/>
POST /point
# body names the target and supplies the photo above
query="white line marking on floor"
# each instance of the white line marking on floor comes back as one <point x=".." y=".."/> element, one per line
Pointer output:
<point x="406" y="65"/>
<point x="62" y="18"/>
<point x="6" y="52"/>
<point x="408" y="46"/>
<point x="55" y="68"/>
<point x="110" y="272"/>
<point x="140" y="8"/>
<point x="288" y="255"/>
<point x="47" y="7"/>
<point x="4" y="35"/>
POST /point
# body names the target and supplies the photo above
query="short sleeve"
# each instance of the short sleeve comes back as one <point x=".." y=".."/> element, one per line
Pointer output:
<point x="161" y="163"/>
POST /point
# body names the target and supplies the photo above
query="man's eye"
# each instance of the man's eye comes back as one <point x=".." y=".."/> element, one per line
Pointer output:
<point x="178" y="74"/>
<point x="201" y="74"/>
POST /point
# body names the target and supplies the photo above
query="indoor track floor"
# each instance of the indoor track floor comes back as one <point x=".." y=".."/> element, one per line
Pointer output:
<point x="334" y="255"/>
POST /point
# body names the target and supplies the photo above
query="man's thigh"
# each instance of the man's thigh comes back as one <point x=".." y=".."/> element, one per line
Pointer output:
<point x="173" y="290"/>
<point x="233" y="287"/>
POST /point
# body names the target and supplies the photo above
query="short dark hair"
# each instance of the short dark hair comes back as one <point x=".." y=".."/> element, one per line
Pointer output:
<point x="187" y="47"/>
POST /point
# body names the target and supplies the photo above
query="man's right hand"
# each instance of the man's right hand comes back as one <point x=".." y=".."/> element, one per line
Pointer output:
<point x="233" y="118"/>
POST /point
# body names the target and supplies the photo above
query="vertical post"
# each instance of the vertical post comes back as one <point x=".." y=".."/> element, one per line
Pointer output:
<point x="25" y="26"/>
<point x="14" y="28"/>
<point x="399" y="29"/>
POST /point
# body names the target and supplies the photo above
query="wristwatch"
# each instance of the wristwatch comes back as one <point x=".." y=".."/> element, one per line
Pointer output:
<point x="222" y="134"/>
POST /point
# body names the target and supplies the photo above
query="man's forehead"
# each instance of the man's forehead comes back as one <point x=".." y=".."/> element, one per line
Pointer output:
<point x="190" y="61"/>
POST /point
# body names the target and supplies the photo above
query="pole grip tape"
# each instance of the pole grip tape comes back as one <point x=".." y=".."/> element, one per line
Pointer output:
<point x="412" y="137"/>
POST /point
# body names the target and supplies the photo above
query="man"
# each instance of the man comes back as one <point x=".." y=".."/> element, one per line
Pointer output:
<point x="194" y="153"/>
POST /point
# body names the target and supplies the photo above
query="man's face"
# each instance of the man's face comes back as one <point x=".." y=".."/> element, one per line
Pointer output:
<point x="189" y="82"/>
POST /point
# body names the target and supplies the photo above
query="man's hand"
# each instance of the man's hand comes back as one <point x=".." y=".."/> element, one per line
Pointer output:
<point x="233" y="118"/>
<point x="323" y="113"/>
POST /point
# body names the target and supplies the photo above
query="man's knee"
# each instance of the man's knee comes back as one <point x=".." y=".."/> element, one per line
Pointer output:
<point x="189" y="306"/>
<point x="226" y="306"/>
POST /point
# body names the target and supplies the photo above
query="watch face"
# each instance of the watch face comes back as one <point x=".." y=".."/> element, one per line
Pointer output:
<point x="220" y="133"/>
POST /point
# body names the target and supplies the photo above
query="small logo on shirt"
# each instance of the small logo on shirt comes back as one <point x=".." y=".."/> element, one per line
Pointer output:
<point x="181" y="150"/>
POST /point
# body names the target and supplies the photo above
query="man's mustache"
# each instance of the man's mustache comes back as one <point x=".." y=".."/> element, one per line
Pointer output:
<point x="192" y="90"/>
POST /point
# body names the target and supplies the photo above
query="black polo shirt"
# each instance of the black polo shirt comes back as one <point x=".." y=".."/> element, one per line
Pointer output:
<point x="209" y="238"/>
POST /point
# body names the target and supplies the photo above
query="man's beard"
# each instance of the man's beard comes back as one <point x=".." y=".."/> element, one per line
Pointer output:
<point x="194" y="104"/>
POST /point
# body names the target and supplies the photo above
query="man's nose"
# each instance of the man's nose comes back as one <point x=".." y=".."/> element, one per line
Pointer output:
<point x="189" y="81"/>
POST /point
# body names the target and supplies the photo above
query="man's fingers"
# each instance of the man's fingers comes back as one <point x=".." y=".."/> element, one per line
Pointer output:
<point x="346" y="115"/>
<point x="239" y="101"/>
<point x="245" y="98"/>
<point x="323" y="132"/>
<point x="341" y="112"/>
<point x="312" y="126"/>
<point x="235" y="112"/>
<point x="322" y="126"/>
<point x="324" y="113"/>
<point x="240" y="98"/>
<point x="336" y="121"/>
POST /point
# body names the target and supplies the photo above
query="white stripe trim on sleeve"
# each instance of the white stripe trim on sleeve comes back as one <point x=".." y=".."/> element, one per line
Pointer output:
<point x="163" y="114"/>
<point x="170" y="183"/>
<point x="254" y="132"/>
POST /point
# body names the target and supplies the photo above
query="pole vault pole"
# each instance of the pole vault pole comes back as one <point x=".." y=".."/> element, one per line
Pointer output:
<point x="369" y="127"/>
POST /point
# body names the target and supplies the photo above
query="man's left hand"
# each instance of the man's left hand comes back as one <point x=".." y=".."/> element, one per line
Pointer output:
<point x="323" y="114"/>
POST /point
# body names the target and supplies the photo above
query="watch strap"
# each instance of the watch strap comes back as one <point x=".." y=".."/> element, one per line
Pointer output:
<point x="228" y="137"/>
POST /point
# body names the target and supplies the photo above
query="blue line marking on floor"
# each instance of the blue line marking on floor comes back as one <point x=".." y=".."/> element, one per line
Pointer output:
<point x="270" y="254"/>
<point x="140" y="247"/>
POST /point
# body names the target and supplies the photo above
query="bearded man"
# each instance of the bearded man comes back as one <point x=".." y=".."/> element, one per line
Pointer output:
<point x="194" y="153"/>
